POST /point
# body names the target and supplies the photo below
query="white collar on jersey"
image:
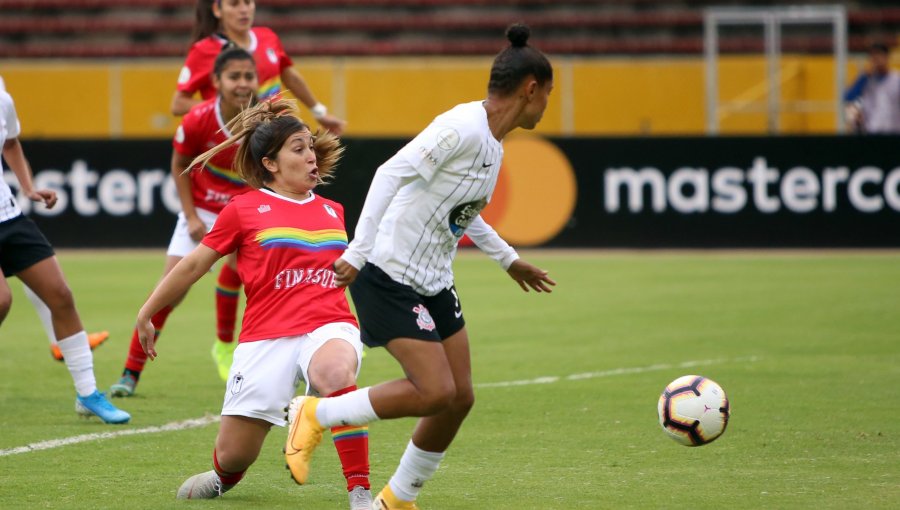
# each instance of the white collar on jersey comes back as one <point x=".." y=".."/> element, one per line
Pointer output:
<point x="268" y="191"/>
<point x="253" y="41"/>
<point x="219" y="117"/>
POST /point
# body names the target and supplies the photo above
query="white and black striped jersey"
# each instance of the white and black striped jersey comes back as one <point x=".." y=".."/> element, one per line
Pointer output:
<point x="427" y="196"/>
<point x="9" y="128"/>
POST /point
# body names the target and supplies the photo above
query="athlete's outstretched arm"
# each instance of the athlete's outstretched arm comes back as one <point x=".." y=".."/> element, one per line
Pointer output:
<point x="175" y="284"/>
<point x="489" y="241"/>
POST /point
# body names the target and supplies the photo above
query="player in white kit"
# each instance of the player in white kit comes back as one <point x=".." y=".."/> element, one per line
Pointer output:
<point x="419" y="205"/>
<point x="26" y="254"/>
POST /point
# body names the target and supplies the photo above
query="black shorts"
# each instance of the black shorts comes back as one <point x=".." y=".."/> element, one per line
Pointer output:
<point x="22" y="245"/>
<point x="389" y="310"/>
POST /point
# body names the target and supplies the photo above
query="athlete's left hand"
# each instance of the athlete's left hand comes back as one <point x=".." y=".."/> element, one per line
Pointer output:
<point x="344" y="273"/>
<point x="527" y="275"/>
<point x="45" y="196"/>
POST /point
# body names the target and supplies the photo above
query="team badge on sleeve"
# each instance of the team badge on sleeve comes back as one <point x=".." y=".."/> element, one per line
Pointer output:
<point x="330" y="211"/>
<point x="424" y="320"/>
<point x="184" y="76"/>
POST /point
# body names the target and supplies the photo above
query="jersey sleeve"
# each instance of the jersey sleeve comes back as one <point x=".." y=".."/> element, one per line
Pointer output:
<point x="195" y="75"/>
<point x="225" y="236"/>
<point x="11" y="120"/>
<point x="429" y="150"/>
<point x="284" y="60"/>
<point x="184" y="142"/>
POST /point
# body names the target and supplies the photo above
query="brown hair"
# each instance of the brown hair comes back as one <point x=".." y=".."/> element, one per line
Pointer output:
<point x="262" y="131"/>
<point x="205" y="23"/>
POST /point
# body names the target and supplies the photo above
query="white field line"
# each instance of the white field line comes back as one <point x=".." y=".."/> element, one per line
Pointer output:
<point x="56" y="443"/>
<point x="208" y="419"/>
<point x="617" y="371"/>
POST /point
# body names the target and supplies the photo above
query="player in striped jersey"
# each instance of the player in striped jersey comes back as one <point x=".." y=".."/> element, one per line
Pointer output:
<point x="203" y="194"/>
<point x="297" y="324"/>
<point x="420" y="203"/>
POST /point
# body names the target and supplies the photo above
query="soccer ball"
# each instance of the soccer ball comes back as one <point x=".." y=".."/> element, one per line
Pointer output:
<point x="693" y="410"/>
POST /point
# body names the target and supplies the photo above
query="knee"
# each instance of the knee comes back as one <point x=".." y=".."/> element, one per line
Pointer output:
<point x="437" y="398"/>
<point x="463" y="401"/>
<point x="60" y="299"/>
<point x="333" y="376"/>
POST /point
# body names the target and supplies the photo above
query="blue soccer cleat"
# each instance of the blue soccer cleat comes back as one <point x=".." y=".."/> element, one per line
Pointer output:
<point x="97" y="404"/>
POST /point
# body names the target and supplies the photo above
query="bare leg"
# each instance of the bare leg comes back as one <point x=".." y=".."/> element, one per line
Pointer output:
<point x="5" y="297"/>
<point x="428" y="388"/>
<point x="435" y="433"/>
<point x="239" y="442"/>
<point x="46" y="279"/>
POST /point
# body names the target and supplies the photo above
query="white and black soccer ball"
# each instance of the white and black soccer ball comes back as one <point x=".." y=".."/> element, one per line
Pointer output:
<point x="693" y="410"/>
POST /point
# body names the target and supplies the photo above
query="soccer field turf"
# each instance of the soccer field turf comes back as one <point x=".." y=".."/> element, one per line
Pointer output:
<point x="807" y="345"/>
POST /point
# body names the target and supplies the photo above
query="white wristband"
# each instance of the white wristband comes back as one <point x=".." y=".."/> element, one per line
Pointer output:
<point x="319" y="110"/>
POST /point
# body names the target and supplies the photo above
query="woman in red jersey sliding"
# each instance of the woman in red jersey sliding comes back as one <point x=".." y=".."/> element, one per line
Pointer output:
<point x="203" y="194"/>
<point x="297" y="324"/>
<point x="220" y="23"/>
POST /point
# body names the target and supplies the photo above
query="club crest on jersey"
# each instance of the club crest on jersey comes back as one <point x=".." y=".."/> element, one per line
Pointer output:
<point x="184" y="76"/>
<point x="264" y="208"/>
<point x="330" y="211"/>
<point x="270" y="54"/>
<point x="424" y="320"/>
<point x="463" y="215"/>
<point x="448" y="139"/>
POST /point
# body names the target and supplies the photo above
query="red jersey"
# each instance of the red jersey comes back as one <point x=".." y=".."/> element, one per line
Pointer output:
<point x="285" y="255"/>
<point x="202" y="129"/>
<point x="267" y="51"/>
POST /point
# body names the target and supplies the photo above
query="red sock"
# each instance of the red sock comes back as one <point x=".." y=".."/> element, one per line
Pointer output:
<point x="352" y="445"/>
<point x="136" y="355"/>
<point x="226" y="477"/>
<point x="228" y="286"/>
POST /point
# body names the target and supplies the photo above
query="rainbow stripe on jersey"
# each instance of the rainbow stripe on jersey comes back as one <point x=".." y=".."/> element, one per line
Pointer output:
<point x="224" y="173"/>
<point x="269" y="88"/>
<point x="313" y="240"/>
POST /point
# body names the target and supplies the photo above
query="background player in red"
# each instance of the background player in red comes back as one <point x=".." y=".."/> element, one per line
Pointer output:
<point x="203" y="194"/>
<point x="219" y="23"/>
<point x="298" y="323"/>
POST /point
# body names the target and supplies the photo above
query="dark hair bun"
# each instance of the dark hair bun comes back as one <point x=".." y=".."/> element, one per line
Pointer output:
<point x="518" y="35"/>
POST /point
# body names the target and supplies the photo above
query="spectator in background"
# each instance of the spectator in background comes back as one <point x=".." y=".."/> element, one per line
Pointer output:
<point x="873" y="101"/>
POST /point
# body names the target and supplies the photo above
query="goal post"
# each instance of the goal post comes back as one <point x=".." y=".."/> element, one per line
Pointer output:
<point x="772" y="19"/>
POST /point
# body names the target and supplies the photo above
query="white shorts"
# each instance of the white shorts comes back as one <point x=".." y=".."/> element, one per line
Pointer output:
<point x="181" y="243"/>
<point x="265" y="374"/>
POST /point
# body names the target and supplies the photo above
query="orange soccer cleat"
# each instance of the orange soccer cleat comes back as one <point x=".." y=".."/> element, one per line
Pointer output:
<point x="94" y="339"/>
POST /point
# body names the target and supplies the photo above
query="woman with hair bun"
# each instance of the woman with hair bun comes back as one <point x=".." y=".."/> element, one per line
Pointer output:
<point x="297" y="323"/>
<point x="419" y="205"/>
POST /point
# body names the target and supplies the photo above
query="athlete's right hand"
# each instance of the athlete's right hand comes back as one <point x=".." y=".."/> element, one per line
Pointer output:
<point x="147" y="336"/>
<point x="196" y="228"/>
<point x="344" y="273"/>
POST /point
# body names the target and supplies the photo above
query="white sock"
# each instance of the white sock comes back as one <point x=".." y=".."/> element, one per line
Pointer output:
<point x="416" y="467"/>
<point x="80" y="361"/>
<point x="43" y="312"/>
<point x="352" y="408"/>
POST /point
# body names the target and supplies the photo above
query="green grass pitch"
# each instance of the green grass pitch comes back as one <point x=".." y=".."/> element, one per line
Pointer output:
<point x="806" y="344"/>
